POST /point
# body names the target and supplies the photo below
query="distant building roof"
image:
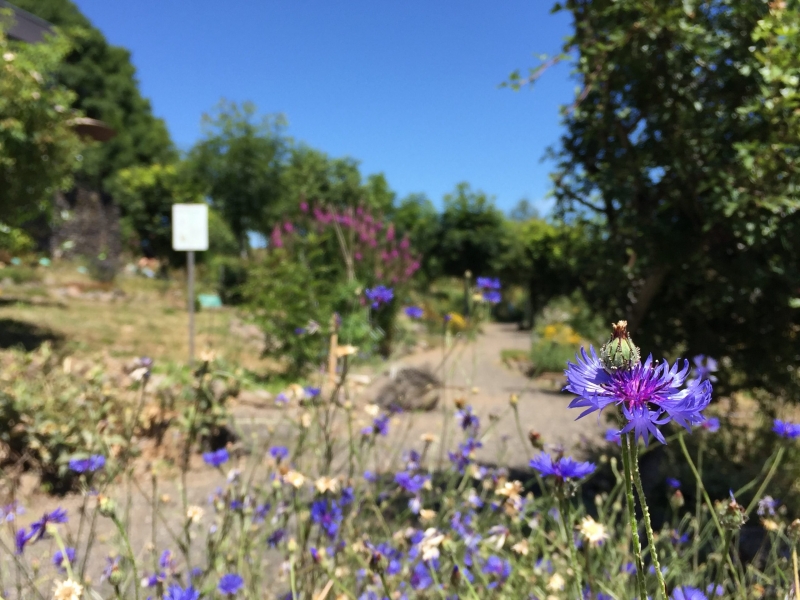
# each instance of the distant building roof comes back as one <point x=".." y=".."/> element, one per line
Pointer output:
<point x="25" y="26"/>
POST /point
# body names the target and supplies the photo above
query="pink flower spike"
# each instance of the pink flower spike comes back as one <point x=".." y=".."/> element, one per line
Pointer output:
<point x="304" y="206"/>
<point x="405" y="243"/>
<point x="288" y="227"/>
<point x="390" y="233"/>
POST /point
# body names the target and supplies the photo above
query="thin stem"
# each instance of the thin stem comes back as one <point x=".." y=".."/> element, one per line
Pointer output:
<point x="573" y="551"/>
<point x="131" y="555"/>
<point x="698" y="505"/>
<point x="637" y="547"/>
<point x="721" y="569"/>
<point x="766" y="481"/>
<point x="637" y="478"/>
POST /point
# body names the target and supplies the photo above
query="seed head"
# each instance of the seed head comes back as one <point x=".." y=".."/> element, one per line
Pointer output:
<point x="619" y="352"/>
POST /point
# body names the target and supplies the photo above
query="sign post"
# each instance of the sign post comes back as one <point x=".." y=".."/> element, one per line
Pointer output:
<point x="190" y="234"/>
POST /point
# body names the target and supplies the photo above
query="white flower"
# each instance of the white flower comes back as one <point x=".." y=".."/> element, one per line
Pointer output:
<point x="67" y="590"/>
<point x="429" y="544"/>
<point x="327" y="484"/>
<point x="556" y="583"/>
<point x="9" y="56"/>
<point x="194" y="514"/>
<point x="593" y="532"/>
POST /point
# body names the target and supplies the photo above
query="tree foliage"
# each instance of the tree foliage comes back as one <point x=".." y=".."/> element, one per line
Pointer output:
<point x="38" y="148"/>
<point x="680" y="158"/>
<point x="104" y="81"/>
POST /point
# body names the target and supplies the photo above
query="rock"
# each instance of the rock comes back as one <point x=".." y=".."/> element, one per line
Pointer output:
<point x="410" y="389"/>
<point x="260" y="398"/>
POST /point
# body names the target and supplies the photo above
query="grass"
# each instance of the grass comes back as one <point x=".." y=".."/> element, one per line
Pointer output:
<point x="150" y="319"/>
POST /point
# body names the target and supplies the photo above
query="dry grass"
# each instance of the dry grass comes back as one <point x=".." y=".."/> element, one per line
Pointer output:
<point x="148" y="319"/>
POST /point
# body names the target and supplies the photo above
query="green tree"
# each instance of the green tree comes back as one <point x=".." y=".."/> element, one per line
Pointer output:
<point x="238" y="163"/>
<point x="38" y="148"/>
<point x="104" y="81"/>
<point x="683" y="244"/>
<point x="470" y="236"/>
<point x="416" y="217"/>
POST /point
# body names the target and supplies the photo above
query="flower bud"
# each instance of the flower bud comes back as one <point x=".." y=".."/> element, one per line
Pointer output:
<point x="107" y="507"/>
<point x="676" y="500"/>
<point x="513" y="400"/>
<point x="732" y="515"/>
<point x="619" y="352"/>
<point x="535" y="438"/>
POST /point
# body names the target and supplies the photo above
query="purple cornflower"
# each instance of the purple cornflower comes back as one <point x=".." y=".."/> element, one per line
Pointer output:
<point x="9" y="512"/>
<point x="230" y="583"/>
<point x="704" y="366"/>
<point x="463" y="457"/>
<point x="379" y="295"/>
<point x="215" y="459"/>
<point x="421" y="577"/>
<point x="467" y="419"/>
<point x="447" y="317"/>
<point x="414" y="312"/>
<point x="565" y="467"/>
<point x="380" y="426"/>
<point x="88" y="465"/>
<point x="328" y="515"/>
<point x="58" y="558"/>
<point x="613" y="436"/>
<point x="649" y="395"/>
<point x="279" y="452"/>
<point x="312" y="392"/>
<point x="786" y="430"/>
<point x="299" y="330"/>
<point x="112" y="566"/>
<point x="498" y="569"/>
<point x="176" y="592"/>
<point x="275" y="537"/>
<point x="281" y="399"/>
<point x="673" y="483"/>
<point x="687" y="593"/>
<point x="488" y="283"/>
<point x="39" y="528"/>
<point x="21" y="538"/>
<point x="766" y="506"/>
<point x="718" y="591"/>
<point x="410" y="483"/>
<point x="711" y="424"/>
<point x="492" y="297"/>
<point x="370" y="476"/>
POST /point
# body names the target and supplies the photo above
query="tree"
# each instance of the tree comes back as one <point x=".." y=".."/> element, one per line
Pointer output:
<point x="416" y="217"/>
<point x="104" y="81"/>
<point x="38" y="148"/>
<point x="238" y="163"/>
<point x="470" y="236"/>
<point x="683" y="244"/>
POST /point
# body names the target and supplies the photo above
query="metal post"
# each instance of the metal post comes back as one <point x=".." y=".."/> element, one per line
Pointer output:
<point x="190" y="276"/>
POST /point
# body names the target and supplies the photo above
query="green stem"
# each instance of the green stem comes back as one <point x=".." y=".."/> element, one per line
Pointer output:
<point x="698" y="507"/>
<point x="131" y="556"/>
<point x="637" y="478"/>
<point x="721" y="569"/>
<point x="637" y="547"/>
<point x="766" y="481"/>
<point x="573" y="551"/>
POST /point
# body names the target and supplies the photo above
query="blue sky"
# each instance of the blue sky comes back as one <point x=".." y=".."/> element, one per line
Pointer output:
<point x="407" y="87"/>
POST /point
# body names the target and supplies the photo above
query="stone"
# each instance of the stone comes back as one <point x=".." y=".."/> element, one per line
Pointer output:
<point x="410" y="388"/>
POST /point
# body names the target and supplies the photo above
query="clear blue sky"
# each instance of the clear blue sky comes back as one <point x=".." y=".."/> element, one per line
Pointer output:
<point x="408" y="87"/>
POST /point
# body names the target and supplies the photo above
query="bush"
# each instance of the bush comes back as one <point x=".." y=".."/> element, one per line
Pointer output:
<point x="229" y="274"/>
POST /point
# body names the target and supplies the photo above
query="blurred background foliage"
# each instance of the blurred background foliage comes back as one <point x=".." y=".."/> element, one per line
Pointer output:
<point x="675" y="186"/>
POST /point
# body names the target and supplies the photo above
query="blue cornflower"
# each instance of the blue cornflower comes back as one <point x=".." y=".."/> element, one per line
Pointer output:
<point x="466" y="450"/>
<point x="328" y="515"/>
<point x="488" y="283"/>
<point x="718" y="591"/>
<point x="370" y="476"/>
<point x="492" y="297"/>
<point x="673" y="483"/>
<point x="379" y="295"/>
<point x="786" y="430"/>
<point x="312" y="392"/>
<point x="230" y="583"/>
<point x="467" y="419"/>
<point x="565" y="467"/>
<point x="414" y="312"/>
<point x="410" y="483"/>
<point x="613" y="436"/>
<point x="279" y="452"/>
<point x="58" y="558"/>
<point x="275" y="537"/>
<point x="176" y="592"/>
<point x="421" y="577"/>
<point x="112" y="566"/>
<point x="704" y="366"/>
<point x="499" y="569"/>
<point x="215" y="459"/>
<point x="687" y="593"/>
<point x="88" y="465"/>
<point x="39" y="528"/>
<point x="9" y="512"/>
<point x="21" y="538"/>
<point x="281" y="399"/>
<point x="711" y="424"/>
<point x="299" y="330"/>
<point x="347" y="497"/>
<point x="649" y="395"/>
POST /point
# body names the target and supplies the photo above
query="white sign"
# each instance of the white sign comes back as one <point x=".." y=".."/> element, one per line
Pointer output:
<point x="190" y="227"/>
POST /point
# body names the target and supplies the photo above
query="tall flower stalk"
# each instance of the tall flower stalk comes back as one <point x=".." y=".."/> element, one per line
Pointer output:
<point x="647" y="394"/>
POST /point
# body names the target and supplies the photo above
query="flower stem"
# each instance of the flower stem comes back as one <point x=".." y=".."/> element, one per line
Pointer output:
<point x="637" y="547"/>
<point x="726" y="546"/>
<point x="637" y="479"/>
<point x="131" y="556"/>
<point x="573" y="552"/>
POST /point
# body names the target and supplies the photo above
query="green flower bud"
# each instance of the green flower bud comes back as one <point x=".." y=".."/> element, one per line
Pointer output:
<point x="619" y="352"/>
<point x="107" y="507"/>
<point x="732" y="515"/>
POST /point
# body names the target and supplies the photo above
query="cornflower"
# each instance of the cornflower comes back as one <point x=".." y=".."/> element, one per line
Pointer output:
<point x="687" y="593"/>
<point x="498" y="569"/>
<point x="88" y="465"/>
<point x="414" y="312"/>
<point x="217" y="458"/>
<point x="176" y="592"/>
<point x="488" y="283"/>
<point x="711" y="424"/>
<point x="492" y="297"/>
<point x="328" y="515"/>
<point x="648" y="394"/>
<point x="467" y="419"/>
<point x="39" y="528"/>
<point x="230" y="583"/>
<point x="279" y="452"/>
<point x="704" y="366"/>
<point x="410" y="483"/>
<point x="60" y="558"/>
<point x="562" y="469"/>
<point x="786" y="430"/>
<point x="379" y="295"/>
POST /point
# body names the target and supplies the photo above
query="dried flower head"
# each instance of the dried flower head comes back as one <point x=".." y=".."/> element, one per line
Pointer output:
<point x="67" y="590"/>
<point x="593" y="532"/>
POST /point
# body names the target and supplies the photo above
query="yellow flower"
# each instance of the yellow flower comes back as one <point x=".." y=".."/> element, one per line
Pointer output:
<point x="593" y="532"/>
<point x="67" y="590"/>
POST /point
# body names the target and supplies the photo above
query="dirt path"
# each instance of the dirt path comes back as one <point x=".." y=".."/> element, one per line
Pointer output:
<point x="475" y="372"/>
